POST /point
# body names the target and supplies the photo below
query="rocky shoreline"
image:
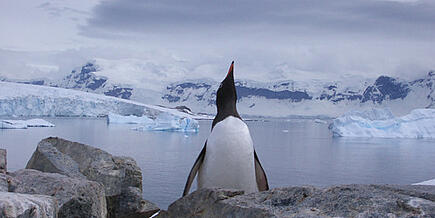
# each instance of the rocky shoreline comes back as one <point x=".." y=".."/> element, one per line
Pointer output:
<point x="69" y="179"/>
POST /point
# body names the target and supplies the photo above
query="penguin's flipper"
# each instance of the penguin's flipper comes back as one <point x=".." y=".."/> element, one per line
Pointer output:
<point x="194" y="170"/>
<point x="260" y="175"/>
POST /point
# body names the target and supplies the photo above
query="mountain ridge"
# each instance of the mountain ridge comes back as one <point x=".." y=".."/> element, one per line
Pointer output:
<point x="257" y="98"/>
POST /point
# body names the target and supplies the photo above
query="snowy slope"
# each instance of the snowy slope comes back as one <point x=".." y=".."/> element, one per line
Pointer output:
<point x="428" y="182"/>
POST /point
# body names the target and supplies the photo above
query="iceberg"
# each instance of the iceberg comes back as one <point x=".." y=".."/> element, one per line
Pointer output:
<point x="38" y="123"/>
<point x="131" y="119"/>
<point x="23" y="124"/>
<point x="320" y="121"/>
<point x="162" y="122"/>
<point x="420" y="123"/>
<point x="13" y="124"/>
<point x="428" y="182"/>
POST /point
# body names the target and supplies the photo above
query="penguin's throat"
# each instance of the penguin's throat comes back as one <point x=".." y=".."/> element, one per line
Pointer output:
<point x="228" y="109"/>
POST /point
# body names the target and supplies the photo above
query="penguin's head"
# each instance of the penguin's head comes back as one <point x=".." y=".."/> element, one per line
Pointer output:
<point x="226" y="95"/>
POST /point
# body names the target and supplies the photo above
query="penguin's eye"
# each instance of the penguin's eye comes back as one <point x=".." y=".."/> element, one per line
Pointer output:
<point x="220" y="86"/>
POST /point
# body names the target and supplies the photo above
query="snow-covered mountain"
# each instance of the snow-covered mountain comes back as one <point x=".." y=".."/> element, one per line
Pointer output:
<point x="279" y="98"/>
<point x="84" y="79"/>
<point x="310" y="98"/>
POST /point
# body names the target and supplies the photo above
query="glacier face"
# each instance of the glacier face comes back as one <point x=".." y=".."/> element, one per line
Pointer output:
<point x="420" y="123"/>
<point x="33" y="100"/>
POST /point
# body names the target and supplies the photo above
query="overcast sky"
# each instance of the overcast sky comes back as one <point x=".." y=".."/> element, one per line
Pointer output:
<point x="269" y="40"/>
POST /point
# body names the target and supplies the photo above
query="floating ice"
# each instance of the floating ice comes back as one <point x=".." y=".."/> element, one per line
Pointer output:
<point x="428" y="182"/>
<point x="23" y="124"/>
<point x="420" y="123"/>
<point x="38" y="123"/>
<point x="119" y="119"/>
<point x="13" y="124"/>
<point x="320" y="121"/>
<point x="162" y="122"/>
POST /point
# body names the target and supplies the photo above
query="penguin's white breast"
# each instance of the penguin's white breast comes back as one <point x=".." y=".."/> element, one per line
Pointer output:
<point x="229" y="158"/>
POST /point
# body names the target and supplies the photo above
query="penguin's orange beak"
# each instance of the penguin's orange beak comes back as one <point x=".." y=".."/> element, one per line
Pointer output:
<point x="230" y="71"/>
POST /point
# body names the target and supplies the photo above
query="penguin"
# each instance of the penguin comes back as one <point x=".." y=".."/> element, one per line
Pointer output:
<point x="228" y="158"/>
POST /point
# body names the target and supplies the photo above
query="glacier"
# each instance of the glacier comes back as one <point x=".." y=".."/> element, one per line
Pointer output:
<point x="419" y="123"/>
<point x="23" y="124"/>
<point x="32" y="100"/>
<point x="163" y="122"/>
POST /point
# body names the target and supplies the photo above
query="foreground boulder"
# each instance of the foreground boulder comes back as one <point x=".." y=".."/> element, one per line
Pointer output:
<point x="335" y="201"/>
<point x="75" y="197"/>
<point x="118" y="175"/>
<point x="3" y="161"/>
<point x="27" y="206"/>
<point x="4" y="182"/>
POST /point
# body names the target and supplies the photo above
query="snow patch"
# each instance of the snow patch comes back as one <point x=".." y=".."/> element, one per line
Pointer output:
<point x="428" y="182"/>
<point x="420" y="123"/>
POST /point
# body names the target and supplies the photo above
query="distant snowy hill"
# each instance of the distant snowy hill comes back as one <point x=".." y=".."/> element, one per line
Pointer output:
<point x="280" y="98"/>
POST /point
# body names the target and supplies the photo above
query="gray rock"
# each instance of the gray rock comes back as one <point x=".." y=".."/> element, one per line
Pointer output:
<point x="307" y="201"/>
<point x="6" y="183"/>
<point x="47" y="158"/>
<point x="117" y="174"/>
<point x="4" y="187"/>
<point x="133" y="174"/>
<point x="75" y="197"/>
<point x="14" y="205"/>
<point x="132" y="205"/>
<point x="3" y="161"/>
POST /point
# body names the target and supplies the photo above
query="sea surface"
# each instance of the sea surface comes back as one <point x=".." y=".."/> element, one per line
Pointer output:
<point x="292" y="152"/>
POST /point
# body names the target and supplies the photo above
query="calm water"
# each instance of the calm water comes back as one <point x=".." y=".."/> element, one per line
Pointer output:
<point x="293" y="152"/>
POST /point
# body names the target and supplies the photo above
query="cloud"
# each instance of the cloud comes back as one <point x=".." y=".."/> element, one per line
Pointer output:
<point x="269" y="40"/>
<point x="280" y="17"/>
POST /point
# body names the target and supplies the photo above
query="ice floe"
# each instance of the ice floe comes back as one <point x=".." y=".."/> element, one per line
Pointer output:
<point x="162" y="122"/>
<point x="23" y="124"/>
